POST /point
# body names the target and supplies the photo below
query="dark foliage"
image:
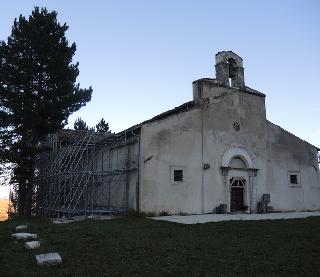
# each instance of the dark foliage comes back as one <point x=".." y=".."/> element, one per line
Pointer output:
<point x="80" y="125"/>
<point x="38" y="92"/>
<point x="103" y="127"/>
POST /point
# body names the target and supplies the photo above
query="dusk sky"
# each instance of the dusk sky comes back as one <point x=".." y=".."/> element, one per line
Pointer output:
<point x="141" y="57"/>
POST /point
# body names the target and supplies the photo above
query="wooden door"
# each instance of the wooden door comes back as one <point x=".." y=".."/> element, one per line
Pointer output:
<point x="236" y="199"/>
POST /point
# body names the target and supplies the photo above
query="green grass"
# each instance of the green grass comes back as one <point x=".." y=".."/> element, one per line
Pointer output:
<point x="144" y="247"/>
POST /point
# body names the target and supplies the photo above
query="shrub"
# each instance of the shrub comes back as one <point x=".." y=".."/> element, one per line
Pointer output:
<point x="164" y="213"/>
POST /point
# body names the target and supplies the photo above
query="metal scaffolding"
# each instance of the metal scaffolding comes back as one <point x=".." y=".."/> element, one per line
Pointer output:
<point x="80" y="176"/>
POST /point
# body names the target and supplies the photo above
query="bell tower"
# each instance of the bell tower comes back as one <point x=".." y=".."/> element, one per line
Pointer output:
<point x="229" y="70"/>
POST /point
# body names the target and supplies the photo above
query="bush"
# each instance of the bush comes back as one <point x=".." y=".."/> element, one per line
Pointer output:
<point x="164" y="213"/>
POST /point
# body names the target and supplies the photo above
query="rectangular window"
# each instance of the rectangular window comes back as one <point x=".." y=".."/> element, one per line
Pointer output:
<point x="178" y="175"/>
<point x="294" y="178"/>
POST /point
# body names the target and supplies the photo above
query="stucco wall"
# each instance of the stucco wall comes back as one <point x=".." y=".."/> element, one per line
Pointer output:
<point x="194" y="138"/>
<point x="287" y="153"/>
<point x="225" y="107"/>
<point x="204" y="135"/>
<point x="172" y="142"/>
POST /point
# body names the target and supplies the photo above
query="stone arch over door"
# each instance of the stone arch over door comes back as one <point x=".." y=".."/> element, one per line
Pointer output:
<point x="238" y="163"/>
<point x="237" y="151"/>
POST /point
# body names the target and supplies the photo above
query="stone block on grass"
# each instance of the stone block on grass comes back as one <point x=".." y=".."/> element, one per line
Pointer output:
<point x="32" y="244"/>
<point x="21" y="227"/>
<point x="48" y="259"/>
<point x="24" y="236"/>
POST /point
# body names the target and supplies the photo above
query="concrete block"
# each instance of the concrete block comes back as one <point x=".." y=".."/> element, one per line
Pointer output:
<point x="21" y="227"/>
<point x="24" y="236"/>
<point x="48" y="259"/>
<point x="32" y="244"/>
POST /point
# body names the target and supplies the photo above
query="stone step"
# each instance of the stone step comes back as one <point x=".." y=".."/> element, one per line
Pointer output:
<point x="48" y="259"/>
<point x="21" y="227"/>
<point x="24" y="236"/>
<point x="32" y="244"/>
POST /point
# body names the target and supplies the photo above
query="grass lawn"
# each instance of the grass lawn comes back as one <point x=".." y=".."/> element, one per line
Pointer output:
<point x="143" y="247"/>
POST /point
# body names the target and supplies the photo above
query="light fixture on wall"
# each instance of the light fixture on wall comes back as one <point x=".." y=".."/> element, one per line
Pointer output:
<point x="206" y="166"/>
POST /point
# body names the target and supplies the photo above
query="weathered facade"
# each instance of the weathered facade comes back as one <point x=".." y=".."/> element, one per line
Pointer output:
<point x="227" y="152"/>
<point x="215" y="153"/>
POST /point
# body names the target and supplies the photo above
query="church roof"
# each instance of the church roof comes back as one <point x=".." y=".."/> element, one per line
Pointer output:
<point x="180" y="109"/>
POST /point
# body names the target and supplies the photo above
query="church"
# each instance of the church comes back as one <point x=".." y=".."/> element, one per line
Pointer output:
<point x="219" y="150"/>
<point x="216" y="153"/>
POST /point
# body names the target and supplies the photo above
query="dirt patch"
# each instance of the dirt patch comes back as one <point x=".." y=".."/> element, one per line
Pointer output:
<point x="3" y="209"/>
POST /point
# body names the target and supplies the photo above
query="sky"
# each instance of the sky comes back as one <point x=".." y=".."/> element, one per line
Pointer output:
<point x="140" y="57"/>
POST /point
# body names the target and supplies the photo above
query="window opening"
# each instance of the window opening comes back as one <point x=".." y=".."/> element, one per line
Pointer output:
<point x="293" y="179"/>
<point x="237" y="182"/>
<point x="177" y="175"/>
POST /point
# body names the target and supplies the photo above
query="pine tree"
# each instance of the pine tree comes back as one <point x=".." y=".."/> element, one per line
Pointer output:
<point x="38" y="92"/>
<point x="103" y="127"/>
<point x="80" y="125"/>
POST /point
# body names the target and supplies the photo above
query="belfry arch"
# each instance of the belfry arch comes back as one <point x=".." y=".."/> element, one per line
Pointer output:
<point x="229" y="70"/>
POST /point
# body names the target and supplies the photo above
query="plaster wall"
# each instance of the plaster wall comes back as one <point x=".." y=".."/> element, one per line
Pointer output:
<point x="171" y="143"/>
<point x="287" y="153"/>
<point x="197" y="137"/>
<point x="206" y="135"/>
<point x="225" y="107"/>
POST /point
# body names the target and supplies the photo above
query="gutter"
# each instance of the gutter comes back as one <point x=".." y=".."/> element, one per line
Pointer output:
<point x="138" y="172"/>
<point x="202" y="171"/>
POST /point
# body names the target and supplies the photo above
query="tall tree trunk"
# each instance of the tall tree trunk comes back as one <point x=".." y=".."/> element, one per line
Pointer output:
<point x="25" y="178"/>
<point x="21" y="198"/>
<point x="28" y="200"/>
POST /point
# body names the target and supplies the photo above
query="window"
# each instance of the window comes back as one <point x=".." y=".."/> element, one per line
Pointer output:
<point x="237" y="182"/>
<point x="294" y="178"/>
<point x="178" y="175"/>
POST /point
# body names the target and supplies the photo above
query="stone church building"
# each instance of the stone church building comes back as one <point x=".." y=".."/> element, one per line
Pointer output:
<point x="216" y="153"/>
<point x="220" y="150"/>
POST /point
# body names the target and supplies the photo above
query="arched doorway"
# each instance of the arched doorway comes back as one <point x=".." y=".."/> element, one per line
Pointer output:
<point x="238" y="181"/>
<point x="238" y="171"/>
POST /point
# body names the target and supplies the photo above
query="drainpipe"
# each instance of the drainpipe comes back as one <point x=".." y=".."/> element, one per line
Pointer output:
<point x="138" y="173"/>
<point x="202" y="150"/>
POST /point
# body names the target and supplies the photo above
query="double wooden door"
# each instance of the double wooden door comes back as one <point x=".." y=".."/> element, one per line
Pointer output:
<point x="237" y="191"/>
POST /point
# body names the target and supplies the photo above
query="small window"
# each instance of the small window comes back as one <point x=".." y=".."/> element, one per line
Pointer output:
<point x="294" y="178"/>
<point x="178" y="175"/>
